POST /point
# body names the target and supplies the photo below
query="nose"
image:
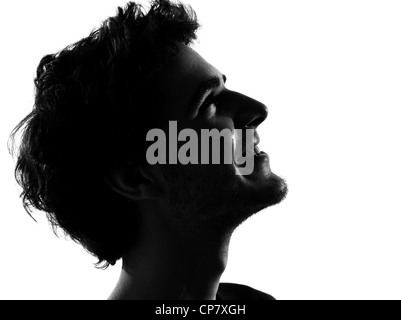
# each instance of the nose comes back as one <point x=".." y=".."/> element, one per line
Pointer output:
<point x="249" y="112"/>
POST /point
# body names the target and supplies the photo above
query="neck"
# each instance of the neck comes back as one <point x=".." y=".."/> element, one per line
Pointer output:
<point x="169" y="265"/>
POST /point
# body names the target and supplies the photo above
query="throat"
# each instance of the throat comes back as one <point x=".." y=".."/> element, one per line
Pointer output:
<point x="180" y="270"/>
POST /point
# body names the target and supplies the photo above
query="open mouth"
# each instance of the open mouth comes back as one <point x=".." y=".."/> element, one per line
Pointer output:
<point x="249" y="149"/>
<point x="256" y="153"/>
<point x="256" y="149"/>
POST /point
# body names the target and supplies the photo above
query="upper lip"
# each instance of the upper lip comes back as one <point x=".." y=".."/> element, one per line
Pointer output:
<point x="256" y="140"/>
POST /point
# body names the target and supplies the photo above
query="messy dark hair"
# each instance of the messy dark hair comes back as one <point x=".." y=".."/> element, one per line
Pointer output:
<point x="90" y="104"/>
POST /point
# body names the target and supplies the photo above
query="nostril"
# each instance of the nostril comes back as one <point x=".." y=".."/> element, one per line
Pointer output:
<point x="250" y="121"/>
<point x="257" y="118"/>
<point x="251" y="113"/>
<point x="256" y="122"/>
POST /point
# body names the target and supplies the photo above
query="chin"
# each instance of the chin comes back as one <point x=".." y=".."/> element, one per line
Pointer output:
<point x="262" y="186"/>
<point x="214" y="197"/>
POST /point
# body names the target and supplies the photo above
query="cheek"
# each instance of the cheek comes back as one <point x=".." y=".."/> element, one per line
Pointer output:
<point x="218" y="122"/>
<point x="223" y="122"/>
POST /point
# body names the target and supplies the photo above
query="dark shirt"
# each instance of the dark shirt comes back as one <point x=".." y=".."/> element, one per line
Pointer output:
<point x="232" y="291"/>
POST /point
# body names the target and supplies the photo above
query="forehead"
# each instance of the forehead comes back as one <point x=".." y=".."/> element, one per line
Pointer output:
<point x="180" y="79"/>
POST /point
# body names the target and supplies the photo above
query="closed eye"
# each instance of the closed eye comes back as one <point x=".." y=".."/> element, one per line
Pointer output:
<point x="206" y="104"/>
<point x="208" y="108"/>
<point x="206" y="92"/>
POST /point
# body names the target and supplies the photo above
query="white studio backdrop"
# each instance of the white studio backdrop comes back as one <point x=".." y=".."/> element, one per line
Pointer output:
<point x="330" y="73"/>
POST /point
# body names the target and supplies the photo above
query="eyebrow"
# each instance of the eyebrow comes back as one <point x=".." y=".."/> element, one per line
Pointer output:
<point x="203" y="90"/>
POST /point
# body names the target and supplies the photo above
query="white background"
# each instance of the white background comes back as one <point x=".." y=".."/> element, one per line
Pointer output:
<point x="330" y="73"/>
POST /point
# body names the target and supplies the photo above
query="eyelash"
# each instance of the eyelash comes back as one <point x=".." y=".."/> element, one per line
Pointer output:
<point x="206" y="104"/>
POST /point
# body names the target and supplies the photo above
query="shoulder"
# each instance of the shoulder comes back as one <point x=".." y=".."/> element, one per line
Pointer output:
<point x="232" y="291"/>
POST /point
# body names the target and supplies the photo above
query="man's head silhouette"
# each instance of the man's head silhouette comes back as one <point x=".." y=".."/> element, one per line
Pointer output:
<point x="82" y="155"/>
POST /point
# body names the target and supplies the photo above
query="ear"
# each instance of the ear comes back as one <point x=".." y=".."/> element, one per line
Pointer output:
<point x="135" y="182"/>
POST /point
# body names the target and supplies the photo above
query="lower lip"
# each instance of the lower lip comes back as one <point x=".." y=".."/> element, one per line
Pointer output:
<point x="262" y="156"/>
<point x="262" y="164"/>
